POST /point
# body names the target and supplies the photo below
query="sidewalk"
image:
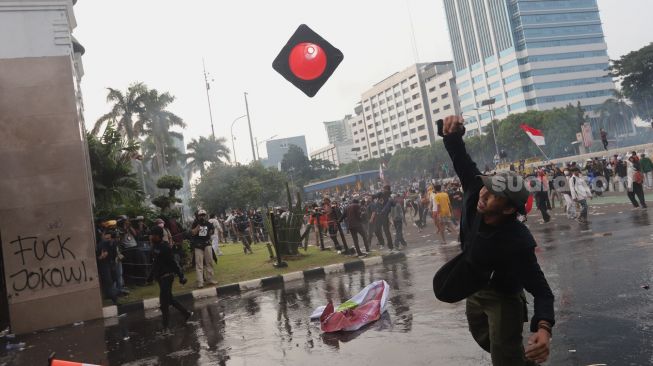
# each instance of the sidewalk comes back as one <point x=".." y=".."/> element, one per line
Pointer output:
<point x="236" y="271"/>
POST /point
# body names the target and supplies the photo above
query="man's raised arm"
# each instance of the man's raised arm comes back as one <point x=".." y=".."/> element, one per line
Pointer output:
<point x="452" y="135"/>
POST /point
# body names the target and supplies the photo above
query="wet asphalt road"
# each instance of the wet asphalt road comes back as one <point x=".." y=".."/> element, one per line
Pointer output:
<point x="596" y="272"/>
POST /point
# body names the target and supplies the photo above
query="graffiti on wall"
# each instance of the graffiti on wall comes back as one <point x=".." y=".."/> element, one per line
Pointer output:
<point x="45" y="262"/>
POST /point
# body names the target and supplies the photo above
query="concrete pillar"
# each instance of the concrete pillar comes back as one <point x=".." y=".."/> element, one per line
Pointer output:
<point x="46" y="222"/>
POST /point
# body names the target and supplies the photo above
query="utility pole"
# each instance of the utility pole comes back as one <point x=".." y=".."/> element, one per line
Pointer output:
<point x="490" y="102"/>
<point x="251" y="138"/>
<point x="208" y="99"/>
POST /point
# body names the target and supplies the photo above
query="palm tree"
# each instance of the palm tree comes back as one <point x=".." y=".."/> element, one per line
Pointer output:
<point x="173" y="157"/>
<point x="155" y="122"/>
<point x="125" y="106"/>
<point x="114" y="183"/>
<point x="206" y="150"/>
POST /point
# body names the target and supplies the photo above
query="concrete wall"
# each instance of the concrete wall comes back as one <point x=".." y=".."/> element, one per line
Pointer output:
<point x="46" y="229"/>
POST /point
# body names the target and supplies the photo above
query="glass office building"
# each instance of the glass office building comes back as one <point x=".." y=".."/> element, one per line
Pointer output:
<point x="527" y="55"/>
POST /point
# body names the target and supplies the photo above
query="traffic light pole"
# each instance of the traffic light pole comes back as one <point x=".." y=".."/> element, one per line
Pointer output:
<point x="251" y="138"/>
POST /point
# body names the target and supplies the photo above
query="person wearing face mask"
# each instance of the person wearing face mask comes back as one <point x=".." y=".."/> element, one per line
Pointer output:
<point x="497" y="263"/>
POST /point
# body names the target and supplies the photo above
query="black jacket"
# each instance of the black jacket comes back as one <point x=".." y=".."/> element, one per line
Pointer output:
<point x="507" y="250"/>
<point x="353" y="216"/>
<point x="163" y="262"/>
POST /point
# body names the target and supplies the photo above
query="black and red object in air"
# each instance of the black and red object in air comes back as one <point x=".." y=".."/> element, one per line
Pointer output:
<point x="307" y="60"/>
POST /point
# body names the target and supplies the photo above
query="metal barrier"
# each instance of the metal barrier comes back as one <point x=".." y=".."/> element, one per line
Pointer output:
<point x="137" y="264"/>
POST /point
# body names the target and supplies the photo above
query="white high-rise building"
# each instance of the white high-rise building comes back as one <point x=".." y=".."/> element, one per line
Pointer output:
<point x="527" y="55"/>
<point x="397" y="112"/>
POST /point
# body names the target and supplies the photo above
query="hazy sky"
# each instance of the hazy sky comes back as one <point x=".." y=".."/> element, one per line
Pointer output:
<point x="162" y="43"/>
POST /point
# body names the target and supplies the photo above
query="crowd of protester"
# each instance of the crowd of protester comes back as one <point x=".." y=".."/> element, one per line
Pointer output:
<point x="358" y="221"/>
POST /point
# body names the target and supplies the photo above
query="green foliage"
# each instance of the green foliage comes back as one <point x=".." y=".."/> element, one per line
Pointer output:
<point x="131" y="209"/>
<point x="616" y="116"/>
<point x="171" y="182"/>
<point x="635" y="73"/>
<point x="164" y="202"/>
<point x="155" y="121"/>
<point x="115" y="186"/>
<point x="558" y="125"/>
<point x="296" y="165"/>
<point x="322" y="169"/>
<point x="125" y="107"/>
<point x="223" y="187"/>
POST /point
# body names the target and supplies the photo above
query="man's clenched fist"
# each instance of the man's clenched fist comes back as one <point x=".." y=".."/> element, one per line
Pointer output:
<point x="452" y="124"/>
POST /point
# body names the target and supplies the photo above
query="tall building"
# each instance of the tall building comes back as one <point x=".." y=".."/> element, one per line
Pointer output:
<point x="335" y="153"/>
<point x="339" y="132"/>
<point x="527" y="55"/>
<point x="397" y="112"/>
<point x="46" y="217"/>
<point x="276" y="149"/>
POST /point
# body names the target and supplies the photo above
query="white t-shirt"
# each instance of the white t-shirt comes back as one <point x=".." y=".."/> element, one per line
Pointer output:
<point x="216" y="226"/>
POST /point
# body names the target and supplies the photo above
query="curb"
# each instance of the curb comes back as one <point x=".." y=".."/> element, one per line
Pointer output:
<point x="267" y="282"/>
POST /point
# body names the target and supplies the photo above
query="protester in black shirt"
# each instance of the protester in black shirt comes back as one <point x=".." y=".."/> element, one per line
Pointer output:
<point x="164" y="270"/>
<point x="201" y="231"/>
<point x="502" y="250"/>
<point x="381" y="217"/>
<point x="353" y="218"/>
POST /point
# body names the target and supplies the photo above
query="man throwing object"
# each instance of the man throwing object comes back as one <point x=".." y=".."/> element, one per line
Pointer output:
<point x="499" y="254"/>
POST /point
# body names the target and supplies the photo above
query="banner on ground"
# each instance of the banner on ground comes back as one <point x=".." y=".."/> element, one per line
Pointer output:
<point x="364" y="308"/>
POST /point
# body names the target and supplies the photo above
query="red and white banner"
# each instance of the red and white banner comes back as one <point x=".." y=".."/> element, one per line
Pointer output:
<point x="536" y="135"/>
<point x="366" y="307"/>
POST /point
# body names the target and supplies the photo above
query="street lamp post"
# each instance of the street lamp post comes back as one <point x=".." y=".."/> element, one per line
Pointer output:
<point x="490" y="102"/>
<point x="233" y="139"/>
<point x="251" y="138"/>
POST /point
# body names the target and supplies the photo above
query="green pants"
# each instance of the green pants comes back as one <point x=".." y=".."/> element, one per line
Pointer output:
<point x="496" y="322"/>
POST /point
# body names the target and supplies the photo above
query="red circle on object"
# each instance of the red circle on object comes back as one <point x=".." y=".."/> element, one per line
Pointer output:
<point x="307" y="61"/>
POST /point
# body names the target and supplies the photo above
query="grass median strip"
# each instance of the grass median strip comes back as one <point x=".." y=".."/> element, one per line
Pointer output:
<point x="234" y="266"/>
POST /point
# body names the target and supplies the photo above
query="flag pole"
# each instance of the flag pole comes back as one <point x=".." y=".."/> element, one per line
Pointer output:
<point x="542" y="151"/>
<point x="530" y="129"/>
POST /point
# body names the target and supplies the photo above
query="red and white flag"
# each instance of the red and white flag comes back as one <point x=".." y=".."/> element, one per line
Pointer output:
<point x="536" y="135"/>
